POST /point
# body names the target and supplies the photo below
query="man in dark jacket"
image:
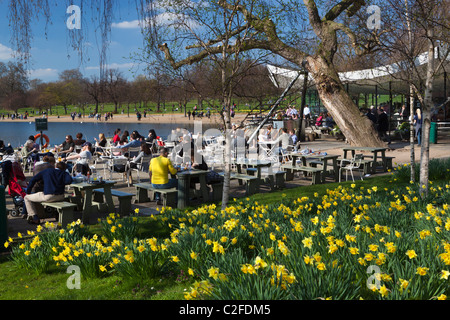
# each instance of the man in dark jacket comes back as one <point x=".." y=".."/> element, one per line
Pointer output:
<point x="55" y="180"/>
<point x="383" y="125"/>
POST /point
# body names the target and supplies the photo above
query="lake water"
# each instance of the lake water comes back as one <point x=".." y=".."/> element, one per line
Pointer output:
<point x="17" y="133"/>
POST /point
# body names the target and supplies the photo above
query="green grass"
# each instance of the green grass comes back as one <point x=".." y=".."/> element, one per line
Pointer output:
<point x="17" y="284"/>
<point x="384" y="181"/>
<point x="242" y="108"/>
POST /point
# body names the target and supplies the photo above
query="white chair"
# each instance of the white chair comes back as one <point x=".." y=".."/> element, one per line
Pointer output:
<point x="353" y="164"/>
<point x="133" y="151"/>
<point x="100" y="160"/>
<point x="267" y="153"/>
<point x="141" y="166"/>
<point x="118" y="165"/>
<point x="285" y="157"/>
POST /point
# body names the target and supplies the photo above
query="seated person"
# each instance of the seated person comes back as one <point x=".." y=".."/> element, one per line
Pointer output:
<point x="145" y="151"/>
<point x="116" y="137"/>
<point x="82" y="159"/>
<point x="5" y="149"/>
<point x="319" y="120"/>
<point x="292" y="137"/>
<point x="100" y="143"/>
<point x="152" y="135"/>
<point x="13" y="175"/>
<point x="159" y="170"/>
<point x="47" y="162"/>
<point x="197" y="165"/>
<point x="68" y="146"/>
<point x="133" y="143"/>
<point x="138" y="136"/>
<point x="29" y="147"/>
<point x="54" y="180"/>
<point x="329" y="122"/>
<point x="79" y="140"/>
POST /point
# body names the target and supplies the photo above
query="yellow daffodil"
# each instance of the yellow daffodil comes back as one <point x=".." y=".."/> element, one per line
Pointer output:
<point x="411" y="254"/>
<point x="422" y="271"/>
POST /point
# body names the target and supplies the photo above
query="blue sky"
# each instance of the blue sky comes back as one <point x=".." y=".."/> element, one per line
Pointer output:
<point x="49" y="56"/>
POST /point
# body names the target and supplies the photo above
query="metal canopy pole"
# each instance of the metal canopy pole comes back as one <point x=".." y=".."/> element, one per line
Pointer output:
<point x="305" y="85"/>
<point x="275" y="106"/>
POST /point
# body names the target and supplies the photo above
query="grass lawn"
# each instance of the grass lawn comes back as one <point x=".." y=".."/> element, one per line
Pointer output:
<point x="167" y="108"/>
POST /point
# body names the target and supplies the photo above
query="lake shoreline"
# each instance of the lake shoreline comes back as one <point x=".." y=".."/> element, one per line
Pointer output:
<point x="124" y="118"/>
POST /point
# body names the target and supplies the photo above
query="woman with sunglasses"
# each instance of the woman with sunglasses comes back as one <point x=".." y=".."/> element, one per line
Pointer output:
<point x="67" y="146"/>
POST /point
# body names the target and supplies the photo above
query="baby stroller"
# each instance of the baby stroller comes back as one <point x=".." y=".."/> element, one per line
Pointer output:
<point x="11" y="175"/>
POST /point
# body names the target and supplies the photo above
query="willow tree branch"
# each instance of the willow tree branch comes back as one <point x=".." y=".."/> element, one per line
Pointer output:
<point x="287" y="52"/>
<point x="352" y="6"/>
<point x="360" y="49"/>
<point x="314" y="17"/>
<point x="218" y="39"/>
<point x="264" y="27"/>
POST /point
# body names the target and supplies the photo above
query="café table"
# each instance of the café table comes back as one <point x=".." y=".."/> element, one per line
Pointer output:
<point x="83" y="196"/>
<point x="324" y="159"/>
<point x="252" y="163"/>
<point x="377" y="152"/>
<point x="184" y="182"/>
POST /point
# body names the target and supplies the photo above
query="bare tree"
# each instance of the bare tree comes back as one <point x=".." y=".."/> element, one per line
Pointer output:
<point x="259" y="31"/>
<point x="13" y="85"/>
<point x="114" y="85"/>
<point x="95" y="90"/>
<point x="419" y="30"/>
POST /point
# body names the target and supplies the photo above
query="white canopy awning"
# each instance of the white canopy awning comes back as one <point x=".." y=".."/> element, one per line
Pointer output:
<point x="375" y="80"/>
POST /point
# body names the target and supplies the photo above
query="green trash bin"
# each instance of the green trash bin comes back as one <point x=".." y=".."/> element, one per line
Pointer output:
<point x="3" y="219"/>
<point x="433" y="132"/>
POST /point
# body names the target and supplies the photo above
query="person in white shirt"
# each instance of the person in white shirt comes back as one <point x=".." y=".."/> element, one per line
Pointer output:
<point x="82" y="158"/>
<point x="293" y="137"/>
<point x="307" y="113"/>
<point x="283" y="138"/>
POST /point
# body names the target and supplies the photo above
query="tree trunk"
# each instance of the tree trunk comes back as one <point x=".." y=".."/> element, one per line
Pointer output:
<point x="412" y="134"/>
<point x="411" y="100"/>
<point x="227" y="151"/>
<point x="356" y="127"/>
<point x="426" y="117"/>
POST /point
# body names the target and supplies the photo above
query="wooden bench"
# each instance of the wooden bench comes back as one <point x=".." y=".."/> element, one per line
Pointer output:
<point x="124" y="199"/>
<point x="169" y="196"/>
<point x="315" y="172"/>
<point x="279" y="179"/>
<point x="217" y="190"/>
<point x="251" y="182"/>
<point x="251" y="171"/>
<point x="389" y="162"/>
<point x="65" y="210"/>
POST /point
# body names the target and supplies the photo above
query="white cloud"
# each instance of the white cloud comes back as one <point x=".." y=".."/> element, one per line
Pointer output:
<point x="126" y="24"/>
<point x="43" y="73"/>
<point x="163" y="19"/>
<point x="6" y="53"/>
<point x="114" y="66"/>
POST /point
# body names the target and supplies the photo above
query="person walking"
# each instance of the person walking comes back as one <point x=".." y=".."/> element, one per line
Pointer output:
<point x="417" y="121"/>
<point x="383" y="125"/>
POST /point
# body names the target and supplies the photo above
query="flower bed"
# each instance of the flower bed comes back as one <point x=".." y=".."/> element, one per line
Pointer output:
<point x="350" y="243"/>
